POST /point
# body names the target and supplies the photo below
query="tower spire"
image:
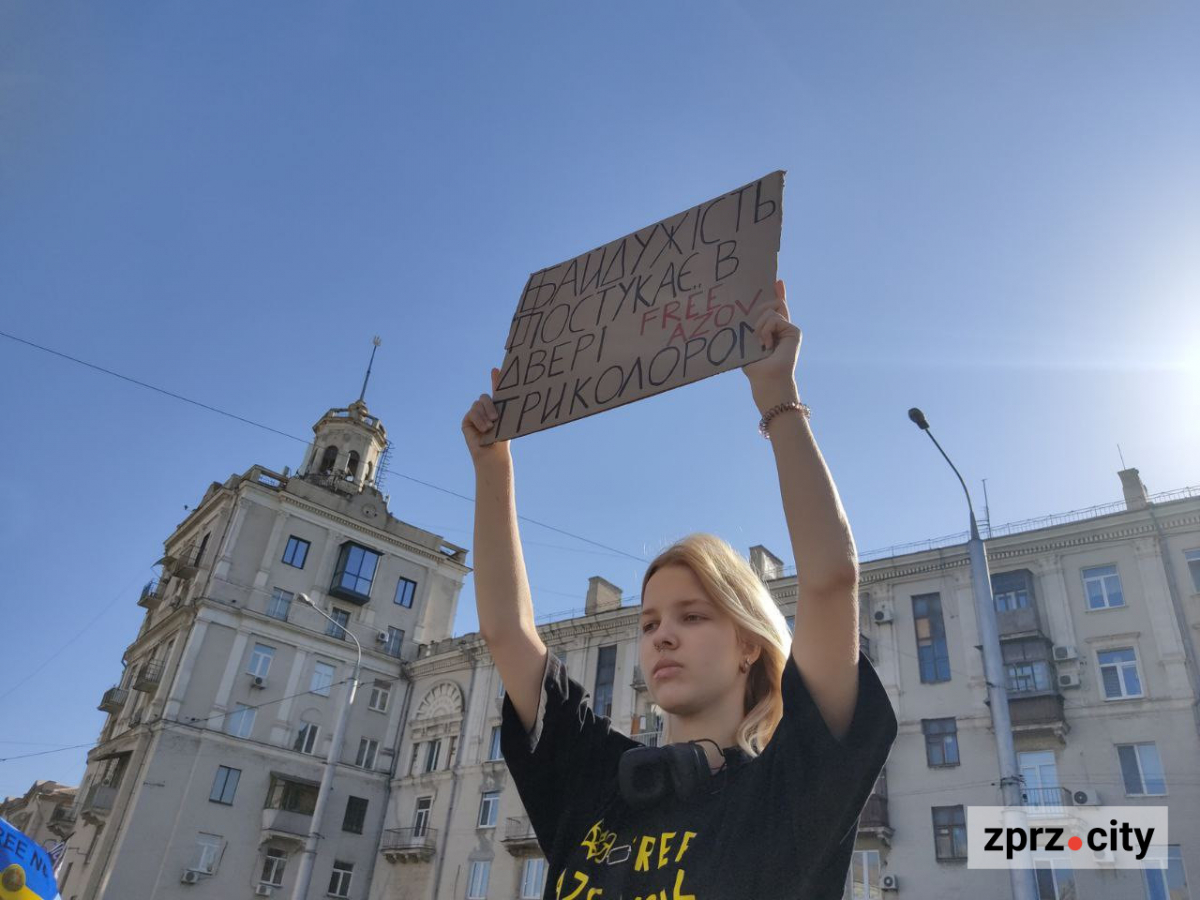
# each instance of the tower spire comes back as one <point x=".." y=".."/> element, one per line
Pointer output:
<point x="375" y="342"/>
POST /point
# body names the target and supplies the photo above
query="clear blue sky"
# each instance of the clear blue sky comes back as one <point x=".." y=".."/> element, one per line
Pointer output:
<point x="992" y="212"/>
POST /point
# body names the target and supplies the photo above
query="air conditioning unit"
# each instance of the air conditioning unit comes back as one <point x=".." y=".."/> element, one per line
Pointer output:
<point x="890" y="882"/>
<point x="1104" y="856"/>
<point x="1068" y="680"/>
<point x="259" y="682"/>
<point x="1062" y="652"/>
<point x="883" y="614"/>
<point x="190" y="876"/>
<point x="382" y="637"/>
<point x="264" y="890"/>
<point x="1085" y="797"/>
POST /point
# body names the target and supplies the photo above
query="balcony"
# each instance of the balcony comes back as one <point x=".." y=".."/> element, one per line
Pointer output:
<point x="183" y="561"/>
<point x="148" y="676"/>
<point x="519" y="838"/>
<point x="153" y="595"/>
<point x="1038" y="713"/>
<point x="873" y="820"/>
<point x="113" y="700"/>
<point x="285" y="825"/>
<point x="1048" y="802"/>
<point x="405" y="845"/>
<point x="648" y="738"/>
<point x="639" y="680"/>
<point x="62" y="821"/>
<point x="98" y="802"/>
<point x="1023" y="620"/>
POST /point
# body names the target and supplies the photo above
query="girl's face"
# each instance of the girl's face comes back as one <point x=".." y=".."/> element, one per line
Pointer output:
<point x="681" y="624"/>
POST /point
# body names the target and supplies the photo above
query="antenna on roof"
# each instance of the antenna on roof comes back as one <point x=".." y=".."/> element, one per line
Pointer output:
<point x="375" y="341"/>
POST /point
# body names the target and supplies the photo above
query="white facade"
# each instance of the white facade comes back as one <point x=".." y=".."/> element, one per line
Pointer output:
<point x="204" y="776"/>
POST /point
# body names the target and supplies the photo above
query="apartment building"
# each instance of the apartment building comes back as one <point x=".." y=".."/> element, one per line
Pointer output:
<point x="204" y="778"/>
<point x="1098" y="613"/>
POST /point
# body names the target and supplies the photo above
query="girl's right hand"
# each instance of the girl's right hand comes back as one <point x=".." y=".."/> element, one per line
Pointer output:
<point x="480" y="419"/>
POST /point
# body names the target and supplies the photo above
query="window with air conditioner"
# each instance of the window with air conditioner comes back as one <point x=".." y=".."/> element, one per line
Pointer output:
<point x="207" y="857"/>
<point x="260" y="660"/>
<point x="273" y="865"/>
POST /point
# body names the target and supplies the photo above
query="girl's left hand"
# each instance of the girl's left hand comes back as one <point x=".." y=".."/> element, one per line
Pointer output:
<point x="773" y="379"/>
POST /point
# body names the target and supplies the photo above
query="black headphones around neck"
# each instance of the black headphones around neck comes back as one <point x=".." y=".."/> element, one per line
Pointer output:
<point x="647" y="775"/>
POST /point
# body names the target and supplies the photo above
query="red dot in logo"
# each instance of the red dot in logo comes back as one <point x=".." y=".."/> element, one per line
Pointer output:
<point x="1075" y="842"/>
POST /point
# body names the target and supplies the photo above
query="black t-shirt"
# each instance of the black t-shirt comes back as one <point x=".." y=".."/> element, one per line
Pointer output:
<point x="778" y="826"/>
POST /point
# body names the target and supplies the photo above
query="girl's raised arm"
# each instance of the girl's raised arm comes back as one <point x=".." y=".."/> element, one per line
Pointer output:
<point x="825" y="637"/>
<point x="502" y="595"/>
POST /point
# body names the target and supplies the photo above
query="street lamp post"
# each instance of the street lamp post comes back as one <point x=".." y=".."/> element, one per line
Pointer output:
<point x="1021" y="877"/>
<point x="308" y="856"/>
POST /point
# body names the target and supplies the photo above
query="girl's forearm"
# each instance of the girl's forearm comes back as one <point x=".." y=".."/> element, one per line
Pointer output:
<point x="822" y="542"/>
<point x="502" y="595"/>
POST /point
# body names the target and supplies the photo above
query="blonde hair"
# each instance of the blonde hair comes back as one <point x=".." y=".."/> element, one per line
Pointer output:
<point x="737" y="590"/>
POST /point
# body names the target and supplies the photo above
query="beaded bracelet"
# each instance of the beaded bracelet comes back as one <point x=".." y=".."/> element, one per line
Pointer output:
<point x="775" y="410"/>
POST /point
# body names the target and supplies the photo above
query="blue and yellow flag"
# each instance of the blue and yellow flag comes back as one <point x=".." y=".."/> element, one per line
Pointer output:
<point x="26" y="872"/>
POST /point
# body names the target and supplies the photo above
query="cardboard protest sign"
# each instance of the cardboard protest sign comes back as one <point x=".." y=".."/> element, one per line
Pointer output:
<point x="662" y="307"/>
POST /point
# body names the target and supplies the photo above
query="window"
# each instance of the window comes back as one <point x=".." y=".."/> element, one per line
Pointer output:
<point x="272" y="871"/>
<point x="533" y="878"/>
<point x="322" y="679"/>
<point x="208" y="853"/>
<point x="932" y="651"/>
<point x="421" y="816"/>
<point x="1102" y="587"/>
<point x="489" y="804"/>
<point x="1170" y="882"/>
<point x="240" y="722"/>
<point x="329" y="459"/>
<point x="433" y="750"/>
<point x="260" y="660"/>
<point x="1012" y="590"/>
<point x="494" y="748"/>
<point x="356" y="815"/>
<point x="941" y="741"/>
<point x="791" y="623"/>
<point x="1142" y="769"/>
<point x="292" y="795"/>
<point x="1027" y="665"/>
<point x="280" y="604"/>
<point x="950" y="832"/>
<point x="395" y="641"/>
<point x="1055" y="881"/>
<point x="1118" y="673"/>
<point x="478" y="881"/>
<point x="200" y="551"/>
<point x="450" y="751"/>
<point x="1193" y="561"/>
<point x="306" y="738"/>
<point x="862" y="878"/>
<point x="355" y="572"/>
<point x="225" y="785"/>
<point x="339" y="881"/>
<point x="606" y="666"/>
<point x="381" y="693"/>
<point x="296" y="552"/>
<point x="367" y="749"/>
<point x="337" y="628"/>
<point x="405" y="590"/>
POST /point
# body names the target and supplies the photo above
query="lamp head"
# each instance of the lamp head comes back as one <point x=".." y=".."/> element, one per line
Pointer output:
<point x="919" y="418"/>
<point x="304" y="598"/>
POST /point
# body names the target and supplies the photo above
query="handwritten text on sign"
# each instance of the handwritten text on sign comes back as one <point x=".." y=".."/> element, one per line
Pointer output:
<point x="656" y="309"/>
